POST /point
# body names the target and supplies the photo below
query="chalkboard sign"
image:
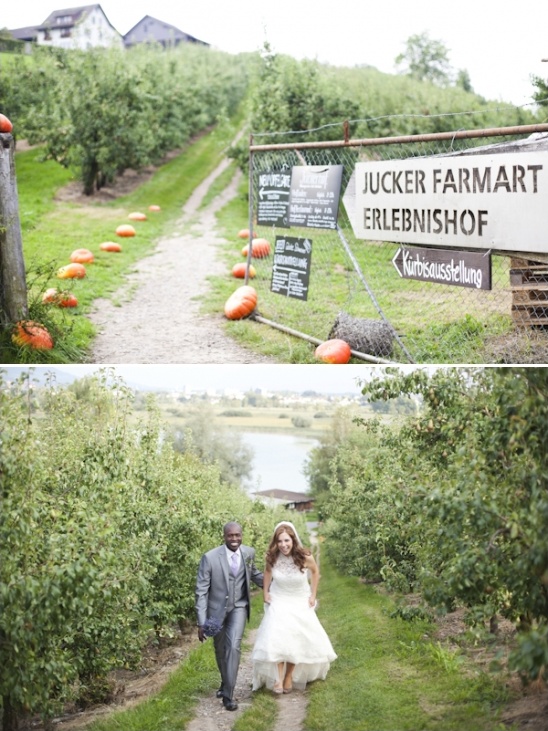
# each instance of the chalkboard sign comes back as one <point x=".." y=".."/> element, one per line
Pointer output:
<point x="314" y="196"/>
<point x="273" y="198"/>
<point x="291" y="267"/>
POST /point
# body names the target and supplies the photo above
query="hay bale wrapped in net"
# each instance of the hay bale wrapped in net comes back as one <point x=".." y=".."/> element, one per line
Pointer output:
<point x="373" y="337"/>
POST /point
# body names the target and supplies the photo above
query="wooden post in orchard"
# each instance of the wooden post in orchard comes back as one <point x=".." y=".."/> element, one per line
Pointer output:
<point x="13" y="284"/>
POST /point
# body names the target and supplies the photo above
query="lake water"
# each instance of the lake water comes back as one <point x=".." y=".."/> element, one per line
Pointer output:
<point x="278" y="461"/>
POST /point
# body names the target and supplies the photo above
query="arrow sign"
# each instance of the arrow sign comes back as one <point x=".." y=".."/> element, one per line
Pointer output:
<point x="273" y="198"/>
<point x="272" y="193"/>
<point x="459" y="268"/>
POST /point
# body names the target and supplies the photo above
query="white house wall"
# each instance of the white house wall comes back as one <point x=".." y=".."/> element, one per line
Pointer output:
<point x="94" y="30"/>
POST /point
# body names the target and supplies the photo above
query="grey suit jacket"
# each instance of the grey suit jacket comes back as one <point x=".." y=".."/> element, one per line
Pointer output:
<point x="212" y="582"/>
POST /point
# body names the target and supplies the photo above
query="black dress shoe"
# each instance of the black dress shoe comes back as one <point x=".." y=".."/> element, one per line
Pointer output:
<point x="229" y="704"/>
<point x="220" y="693"/>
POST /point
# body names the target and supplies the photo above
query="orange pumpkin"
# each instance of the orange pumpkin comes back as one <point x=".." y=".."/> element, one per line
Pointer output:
<point x="33" y="334"/>
<point x="82" y="256"/>
<point x="259" y="248"/>
<point x="50" y="295"/>
<point x="5" y="124"/>
<point x="125" y="230"/>
<point x="110" y="246"/>
<point x="333" y="351"/>
<point x="244" y="233"/>
<point x="61" y="299"/>
<point x="67" y="299"/>
<point x="137" y="216"/>
<point x="241" y="303"/>
<point x="72" y="271"/>
<point x="238" y="270"/>
<point x="154" y="208"/>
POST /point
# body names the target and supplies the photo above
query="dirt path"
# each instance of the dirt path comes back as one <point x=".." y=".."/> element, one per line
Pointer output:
<point x="159" y="319"/>
<point x="211" y="716"/>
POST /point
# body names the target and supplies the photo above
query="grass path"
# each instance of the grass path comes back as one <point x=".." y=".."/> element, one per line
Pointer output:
<point x="390" y="675"/>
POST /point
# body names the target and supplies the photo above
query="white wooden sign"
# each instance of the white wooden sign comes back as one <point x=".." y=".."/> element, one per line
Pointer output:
<point x="486" y="201"/>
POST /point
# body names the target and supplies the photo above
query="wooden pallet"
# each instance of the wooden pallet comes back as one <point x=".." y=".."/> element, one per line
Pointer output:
<point x="529" y="285"/>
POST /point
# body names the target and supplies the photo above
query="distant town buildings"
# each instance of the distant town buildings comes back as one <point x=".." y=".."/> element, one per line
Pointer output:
<point x="284" y="398"/>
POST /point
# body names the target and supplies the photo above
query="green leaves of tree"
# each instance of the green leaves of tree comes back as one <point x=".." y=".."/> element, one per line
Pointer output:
<point x="103" y="111"/>
<point x="454" y="501"/>
<point x="102" y="525"/>
<point x="426" y="59"/>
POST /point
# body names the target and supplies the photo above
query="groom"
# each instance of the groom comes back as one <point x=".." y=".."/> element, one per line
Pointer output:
<point x="223" y="594"/>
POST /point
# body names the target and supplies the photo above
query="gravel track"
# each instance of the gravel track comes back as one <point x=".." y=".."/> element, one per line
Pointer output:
<point x="159" y="319"/>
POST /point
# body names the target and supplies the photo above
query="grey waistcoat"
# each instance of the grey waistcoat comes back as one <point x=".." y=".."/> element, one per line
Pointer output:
<point x="237" y="590"/>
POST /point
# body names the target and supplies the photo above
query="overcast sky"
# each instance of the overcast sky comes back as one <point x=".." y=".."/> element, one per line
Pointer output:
<point x="500" y="46"/>
<point x="322" y="378"/>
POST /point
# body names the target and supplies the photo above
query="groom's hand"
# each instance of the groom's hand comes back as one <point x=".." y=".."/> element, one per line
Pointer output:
<point x="201" y="635"/>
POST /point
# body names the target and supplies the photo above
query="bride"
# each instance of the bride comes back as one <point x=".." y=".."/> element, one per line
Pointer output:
<point x="292" y="648"/>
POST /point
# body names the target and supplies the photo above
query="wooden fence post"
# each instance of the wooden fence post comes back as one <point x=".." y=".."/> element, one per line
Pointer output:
<point x="13" y="284"/>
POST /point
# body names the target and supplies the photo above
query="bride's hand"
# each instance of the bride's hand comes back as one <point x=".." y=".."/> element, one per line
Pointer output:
<point x="311" y="602"/>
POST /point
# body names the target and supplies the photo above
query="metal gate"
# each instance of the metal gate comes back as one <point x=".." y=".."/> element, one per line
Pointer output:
<point x="354" y="290"/>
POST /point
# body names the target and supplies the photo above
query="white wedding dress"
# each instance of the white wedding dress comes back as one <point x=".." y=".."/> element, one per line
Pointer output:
<point x="290" y="631"/>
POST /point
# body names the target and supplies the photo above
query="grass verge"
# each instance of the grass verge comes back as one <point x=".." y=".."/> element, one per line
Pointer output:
<point x="173" y="707"/>
<point x="260" y="338"/>
<point x="389" y="674"/>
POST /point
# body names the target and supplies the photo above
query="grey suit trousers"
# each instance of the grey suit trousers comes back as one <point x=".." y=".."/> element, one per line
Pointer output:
<point x="228" y="648"/>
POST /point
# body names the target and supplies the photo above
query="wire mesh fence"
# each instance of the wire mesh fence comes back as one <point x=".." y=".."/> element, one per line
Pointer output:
<point x="354" y="289"/>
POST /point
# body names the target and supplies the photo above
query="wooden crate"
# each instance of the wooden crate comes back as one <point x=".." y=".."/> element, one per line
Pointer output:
<point x="529" y="285"/>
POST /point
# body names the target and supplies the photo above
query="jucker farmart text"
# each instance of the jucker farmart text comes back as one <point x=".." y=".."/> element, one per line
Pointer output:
<point x="505" y="179"/>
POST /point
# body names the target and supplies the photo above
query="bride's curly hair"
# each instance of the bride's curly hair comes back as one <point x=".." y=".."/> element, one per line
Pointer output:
<point x="298" y="552"/>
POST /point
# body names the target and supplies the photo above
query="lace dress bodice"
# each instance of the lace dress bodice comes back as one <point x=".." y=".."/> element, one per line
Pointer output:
<point x="288" y="581"/>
